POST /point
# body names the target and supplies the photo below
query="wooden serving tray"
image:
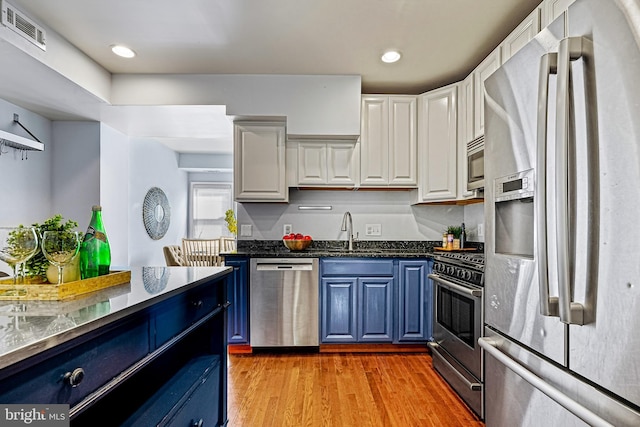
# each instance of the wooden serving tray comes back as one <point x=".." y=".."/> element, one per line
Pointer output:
<point x="437" y="248"/>
<point x="51" y="292"/>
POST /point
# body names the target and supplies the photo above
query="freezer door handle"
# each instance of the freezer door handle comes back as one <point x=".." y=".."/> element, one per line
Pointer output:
<point x="571" y="48"/>
<point x="491" y="346"/>
<point x="548" y="304"/>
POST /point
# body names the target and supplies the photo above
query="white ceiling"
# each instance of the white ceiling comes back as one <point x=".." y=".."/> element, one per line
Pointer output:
<point x="441" y="40"/>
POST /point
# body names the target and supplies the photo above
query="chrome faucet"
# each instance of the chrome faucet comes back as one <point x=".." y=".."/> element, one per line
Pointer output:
<point x="349" y="229"/>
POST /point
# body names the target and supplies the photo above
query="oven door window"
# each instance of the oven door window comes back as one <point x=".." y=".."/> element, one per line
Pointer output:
<point x="455" y="312"/>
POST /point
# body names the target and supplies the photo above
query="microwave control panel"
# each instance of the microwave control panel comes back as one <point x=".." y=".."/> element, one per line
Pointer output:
<point x="519" y="185"/>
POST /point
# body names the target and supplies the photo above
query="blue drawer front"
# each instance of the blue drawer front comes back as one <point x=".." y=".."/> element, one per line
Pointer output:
<point x="357" y="267"/>
<point x="101" y="359"/>
<point x="180" y="312"/>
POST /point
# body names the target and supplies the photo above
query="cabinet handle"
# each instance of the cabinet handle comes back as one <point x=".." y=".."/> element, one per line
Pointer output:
<point x="198" y="423"/>
<point x="197" y="304"/>
<point x="74" y="378"/>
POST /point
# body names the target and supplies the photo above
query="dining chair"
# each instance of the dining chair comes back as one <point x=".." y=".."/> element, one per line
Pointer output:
<point x="201" y="252"/>
<point x="173" y="255"/>
<point x="227" y="244"/>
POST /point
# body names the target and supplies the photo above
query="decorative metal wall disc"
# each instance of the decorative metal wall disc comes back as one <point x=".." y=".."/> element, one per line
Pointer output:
<point x="156" y="213"/>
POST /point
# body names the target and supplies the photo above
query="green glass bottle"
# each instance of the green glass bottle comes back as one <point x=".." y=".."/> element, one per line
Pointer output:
<point x="95" y="253"/>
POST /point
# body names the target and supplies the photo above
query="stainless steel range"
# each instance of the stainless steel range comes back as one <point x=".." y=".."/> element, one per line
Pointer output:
<point x="458" y="281"/>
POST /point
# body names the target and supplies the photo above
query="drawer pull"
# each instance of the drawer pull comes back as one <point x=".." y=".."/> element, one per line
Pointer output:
<point x="197" y="304"/>
<point x="198" y="423"/>
<point x="74" y="378"/>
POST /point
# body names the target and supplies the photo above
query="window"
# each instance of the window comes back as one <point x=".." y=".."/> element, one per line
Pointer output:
<point x="209" y="202"/>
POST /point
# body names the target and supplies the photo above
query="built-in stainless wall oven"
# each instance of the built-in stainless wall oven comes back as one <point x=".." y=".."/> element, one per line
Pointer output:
<point x="458" y="280"/>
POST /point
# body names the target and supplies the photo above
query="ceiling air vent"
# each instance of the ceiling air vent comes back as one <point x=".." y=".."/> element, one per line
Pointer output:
<point x="23" y="25"/>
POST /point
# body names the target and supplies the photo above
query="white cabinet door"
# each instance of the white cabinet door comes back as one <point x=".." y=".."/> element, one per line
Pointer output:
<point x="259" y="162"/>
<point x="312" y="163"/>
<point x="402" y="140"/>
<point x="487" y="67"/>
<point x="343" y="161"/>
<point x="374" y="139"/>
<point x="521" y="35"/>
<point x="465" y="133"/>
<point x="388" y="141"/>
<point x="552" y="9"/>
<point x="438" y="144"/>
<point x="327" y="163"/>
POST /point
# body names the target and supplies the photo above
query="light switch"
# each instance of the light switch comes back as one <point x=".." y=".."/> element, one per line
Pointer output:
<point x="373" y="230"/>
<point x="245" y="230"/>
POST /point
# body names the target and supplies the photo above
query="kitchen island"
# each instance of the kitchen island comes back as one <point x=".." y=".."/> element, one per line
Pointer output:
<point x="152" y="349"/>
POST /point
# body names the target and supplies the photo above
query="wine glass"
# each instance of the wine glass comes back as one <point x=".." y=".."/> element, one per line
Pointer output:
<point x="17" y="245"/>
<point x="59" y="247"/>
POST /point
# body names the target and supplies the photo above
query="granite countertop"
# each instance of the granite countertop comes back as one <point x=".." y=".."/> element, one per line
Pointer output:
<point x="338" y="248"/>
<point x="44" y="324"/>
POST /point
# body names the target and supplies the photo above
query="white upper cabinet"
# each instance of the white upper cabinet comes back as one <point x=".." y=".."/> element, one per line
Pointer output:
<point x="388" y="141"/>
<point x="465" y="133"/>
<point x="437" y="146"/>
<point x="522" y="34"/>
<point x="259" y="162"/>
<point x="487" y="67"/>
<point x="333" y="163"/>
<point x="552" y="9"/>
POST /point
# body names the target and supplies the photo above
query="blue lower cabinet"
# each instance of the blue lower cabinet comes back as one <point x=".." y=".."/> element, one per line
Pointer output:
<point x="375" y="320"/>
<point x="339" y="310"/>
<point x="238" y="296"/>
<point x="414" y="301"/>
<point x="356" y="300"/>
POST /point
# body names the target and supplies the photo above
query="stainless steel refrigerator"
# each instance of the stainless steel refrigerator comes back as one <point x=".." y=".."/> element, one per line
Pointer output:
<point x="562" y="210"/>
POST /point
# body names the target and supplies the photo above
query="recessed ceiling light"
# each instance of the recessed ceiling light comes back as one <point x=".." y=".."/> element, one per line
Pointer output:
<point x="122" y="51"/>
<point x="391" y="56"/>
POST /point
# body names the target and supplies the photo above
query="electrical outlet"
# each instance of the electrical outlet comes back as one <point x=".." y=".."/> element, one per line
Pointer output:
<point x="480" y="230"/>
<point x="373" y="230"/>
<point x="246" y="230"/>
<point x="287" y="229"/>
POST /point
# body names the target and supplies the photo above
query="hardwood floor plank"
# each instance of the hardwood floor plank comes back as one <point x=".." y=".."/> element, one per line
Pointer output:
<point x="341" y="389"/>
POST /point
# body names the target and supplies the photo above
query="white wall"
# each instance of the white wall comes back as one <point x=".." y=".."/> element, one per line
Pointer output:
<point x="399" y="220"/>
<point x="114" y="191"/>
<point x="75" y="174"/>
<point x="25" y="187"/>
<point x="153" y="165"/>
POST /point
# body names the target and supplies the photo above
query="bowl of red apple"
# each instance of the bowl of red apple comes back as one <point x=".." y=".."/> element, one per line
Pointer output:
<point x="296" y="241"/>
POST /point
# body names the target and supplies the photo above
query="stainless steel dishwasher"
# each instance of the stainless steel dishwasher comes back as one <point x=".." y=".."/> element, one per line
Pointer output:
<point x="283" y="302"/>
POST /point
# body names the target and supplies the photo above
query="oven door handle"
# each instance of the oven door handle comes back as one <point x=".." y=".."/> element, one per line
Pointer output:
<point x="469" y="384"/>
<point x="476" y="293"/>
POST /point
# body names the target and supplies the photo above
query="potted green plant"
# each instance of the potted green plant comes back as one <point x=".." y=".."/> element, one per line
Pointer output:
<point x="35" y="269"/>
<point x="455" y="232"/>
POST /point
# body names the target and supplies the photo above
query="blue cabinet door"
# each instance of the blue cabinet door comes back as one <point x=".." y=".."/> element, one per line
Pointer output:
<point x="238" y="296"/>
<point x="414" y="301"/>
<point x="338" y="313"/>
<point x="375" y="320"/>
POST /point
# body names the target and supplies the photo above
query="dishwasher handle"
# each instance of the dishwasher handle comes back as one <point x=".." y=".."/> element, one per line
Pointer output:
<point x="305" y="264"/>
<point x="284" y="267"/>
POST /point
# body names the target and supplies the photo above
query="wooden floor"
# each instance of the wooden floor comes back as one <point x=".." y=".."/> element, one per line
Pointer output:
<point x="341" y="389"/>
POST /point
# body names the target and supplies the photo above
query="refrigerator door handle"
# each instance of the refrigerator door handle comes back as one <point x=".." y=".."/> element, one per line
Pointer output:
<point x="548" y="304"/>
<point x="490" y="345"/>
<point x="571" y="312"/>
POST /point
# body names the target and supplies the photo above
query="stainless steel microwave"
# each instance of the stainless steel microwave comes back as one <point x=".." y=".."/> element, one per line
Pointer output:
<point x="475" y="164"/>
